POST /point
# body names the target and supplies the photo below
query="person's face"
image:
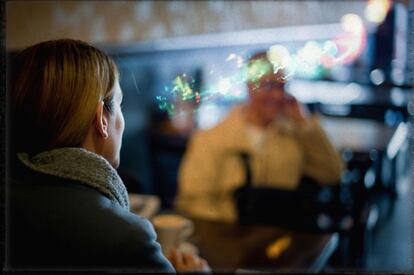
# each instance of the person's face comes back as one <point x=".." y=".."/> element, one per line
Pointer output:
<point x="116" y="126"/>
<point x="267" y="97"/>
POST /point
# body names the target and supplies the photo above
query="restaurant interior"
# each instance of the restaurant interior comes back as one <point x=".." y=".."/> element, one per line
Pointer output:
<point x="181" y="65"/>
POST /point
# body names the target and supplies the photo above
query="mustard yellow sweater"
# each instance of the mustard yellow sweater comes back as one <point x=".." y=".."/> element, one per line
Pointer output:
<point x="212" y="169"/>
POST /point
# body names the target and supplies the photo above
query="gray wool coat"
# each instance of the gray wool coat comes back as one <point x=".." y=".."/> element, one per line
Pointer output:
<point x="59" y="223"/>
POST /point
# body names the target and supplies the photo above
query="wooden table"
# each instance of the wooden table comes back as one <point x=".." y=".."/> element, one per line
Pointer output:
<point x="233" y="247"/>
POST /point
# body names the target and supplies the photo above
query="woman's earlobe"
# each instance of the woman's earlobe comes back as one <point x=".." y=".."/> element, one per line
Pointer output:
<point x="101" y="121"/>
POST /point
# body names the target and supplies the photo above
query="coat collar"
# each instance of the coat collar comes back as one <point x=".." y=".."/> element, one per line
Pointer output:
<point x="82" y="166"/>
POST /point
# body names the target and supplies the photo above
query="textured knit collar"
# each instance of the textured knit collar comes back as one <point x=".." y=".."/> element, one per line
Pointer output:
<point x="82" y="166"/>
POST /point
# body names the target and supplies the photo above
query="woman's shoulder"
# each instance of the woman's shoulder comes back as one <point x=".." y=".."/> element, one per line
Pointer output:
<point x="47" y="207"/>
<point x="77" y="200"/>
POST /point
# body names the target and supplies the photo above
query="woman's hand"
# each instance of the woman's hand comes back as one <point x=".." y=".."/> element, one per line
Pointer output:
<point x="184" y="262"/>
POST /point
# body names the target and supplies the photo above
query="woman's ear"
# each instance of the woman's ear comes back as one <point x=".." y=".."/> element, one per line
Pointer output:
<point x="101" y="122"/>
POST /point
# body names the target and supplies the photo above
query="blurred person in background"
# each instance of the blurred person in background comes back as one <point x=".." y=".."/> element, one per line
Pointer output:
<point x="284" y="141"/>
<point x="67" y="206"/>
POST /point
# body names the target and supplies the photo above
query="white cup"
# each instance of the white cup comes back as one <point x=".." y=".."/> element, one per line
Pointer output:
<point x="171" y="230"/>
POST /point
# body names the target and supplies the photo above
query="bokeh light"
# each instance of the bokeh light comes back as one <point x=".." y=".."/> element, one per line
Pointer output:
<point x="377" y="77"/>
<point x="376" y="10"/>
<point x="313" y="60"/>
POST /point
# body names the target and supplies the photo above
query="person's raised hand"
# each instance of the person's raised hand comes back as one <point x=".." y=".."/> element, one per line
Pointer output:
<point x="295" y="110"/>
<point x="184" y="262"/>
